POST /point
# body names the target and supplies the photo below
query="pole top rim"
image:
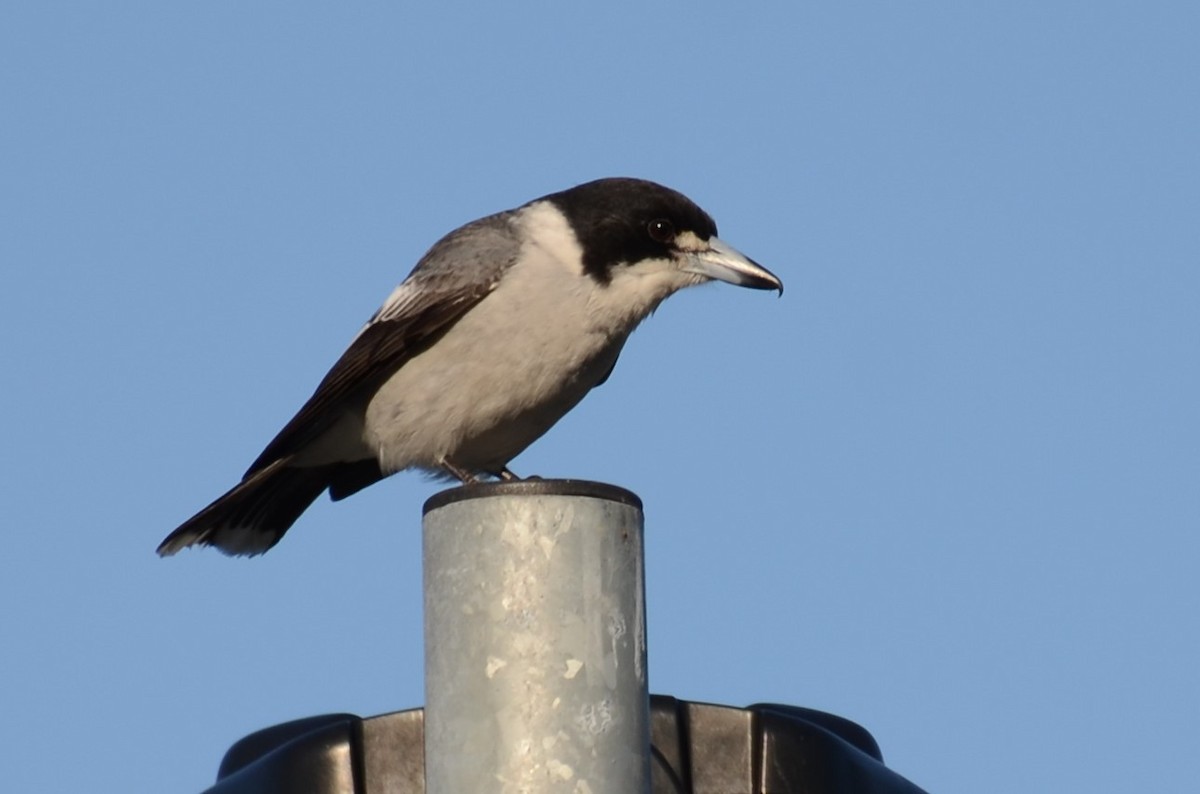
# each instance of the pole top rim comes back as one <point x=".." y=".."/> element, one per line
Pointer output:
<point x="533" y="487"/>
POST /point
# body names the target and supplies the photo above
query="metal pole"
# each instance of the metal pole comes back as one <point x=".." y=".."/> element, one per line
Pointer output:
<point x="535" y="642"/>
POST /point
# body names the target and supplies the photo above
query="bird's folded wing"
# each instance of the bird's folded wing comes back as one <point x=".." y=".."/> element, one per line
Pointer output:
<point x="403" y="329"/>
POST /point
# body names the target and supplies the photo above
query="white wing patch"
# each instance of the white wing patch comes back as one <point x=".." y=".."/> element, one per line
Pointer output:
<point x="396" y="304"/>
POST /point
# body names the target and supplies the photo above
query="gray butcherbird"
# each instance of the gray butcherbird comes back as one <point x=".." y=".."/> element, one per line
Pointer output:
<point x="501" y="328"/>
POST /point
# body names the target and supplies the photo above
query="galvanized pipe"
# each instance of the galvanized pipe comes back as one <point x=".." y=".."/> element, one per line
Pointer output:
<point x="535" y="641"/>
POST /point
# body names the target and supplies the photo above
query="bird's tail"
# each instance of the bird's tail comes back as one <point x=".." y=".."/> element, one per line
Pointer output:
<point x="253" y="515"/>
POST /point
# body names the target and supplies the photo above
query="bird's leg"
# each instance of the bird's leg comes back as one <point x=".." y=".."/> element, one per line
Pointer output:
<point x="464" y="476"/>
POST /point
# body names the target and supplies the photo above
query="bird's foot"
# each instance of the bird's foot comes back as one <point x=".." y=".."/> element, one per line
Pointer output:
<point x="504" y="473"/>
<point x="508" y="475"/>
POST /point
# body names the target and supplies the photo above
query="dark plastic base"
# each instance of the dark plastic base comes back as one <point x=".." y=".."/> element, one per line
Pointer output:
<point x="696" y="747"/>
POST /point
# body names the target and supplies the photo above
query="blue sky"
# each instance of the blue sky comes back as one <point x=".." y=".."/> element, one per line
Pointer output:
<point x="946" y="487"/>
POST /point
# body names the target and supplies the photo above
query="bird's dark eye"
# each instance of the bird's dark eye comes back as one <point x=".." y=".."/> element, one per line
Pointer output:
<point x="661" y="230"/>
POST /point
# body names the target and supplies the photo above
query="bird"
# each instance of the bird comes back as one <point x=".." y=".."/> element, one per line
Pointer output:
<point x="501" y="328"/>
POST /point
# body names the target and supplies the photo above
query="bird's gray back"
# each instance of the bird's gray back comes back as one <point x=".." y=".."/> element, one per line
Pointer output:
<point x="467" y="258"/>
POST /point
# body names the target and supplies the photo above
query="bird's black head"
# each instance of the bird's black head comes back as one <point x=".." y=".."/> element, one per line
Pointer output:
<point x="622" y="221"/>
